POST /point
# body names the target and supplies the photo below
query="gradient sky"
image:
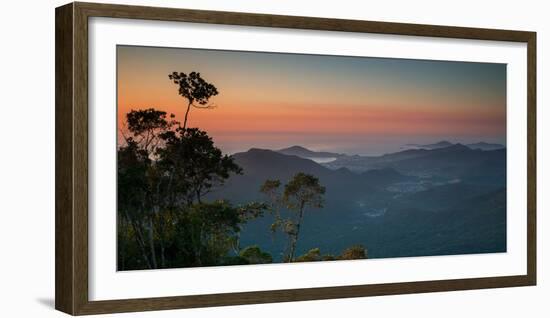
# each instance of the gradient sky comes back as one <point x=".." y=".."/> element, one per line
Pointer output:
<point x="355" y="105"/>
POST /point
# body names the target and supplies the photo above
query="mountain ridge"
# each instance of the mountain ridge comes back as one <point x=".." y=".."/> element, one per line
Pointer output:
<point x="303" y="152"/>
<point x="432" y="202"/>
<point x="481" y="145"/>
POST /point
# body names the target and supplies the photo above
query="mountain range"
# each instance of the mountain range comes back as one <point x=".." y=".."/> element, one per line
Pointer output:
<point x="443" y="144"/>
<point x="306" y="153"/>
<point x="454" y="160"/>
<point x="446" y="200"/>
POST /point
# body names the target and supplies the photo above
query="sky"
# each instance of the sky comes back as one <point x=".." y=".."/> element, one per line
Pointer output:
<point x="353" y="105"/>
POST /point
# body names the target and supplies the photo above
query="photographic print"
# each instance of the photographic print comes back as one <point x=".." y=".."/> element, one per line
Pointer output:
<point x="243" y="158"/>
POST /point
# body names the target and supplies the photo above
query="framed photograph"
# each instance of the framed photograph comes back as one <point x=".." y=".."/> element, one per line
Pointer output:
<point x="218" y="158"/>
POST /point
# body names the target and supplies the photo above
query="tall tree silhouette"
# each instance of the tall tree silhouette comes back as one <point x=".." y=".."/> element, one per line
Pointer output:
<point x="301" y="192"/>
<point x="195" y="89"/>
<point x="304" y="190"/>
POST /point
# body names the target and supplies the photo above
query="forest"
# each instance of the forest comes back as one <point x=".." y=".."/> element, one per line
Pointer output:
<point x="166" y="173"/>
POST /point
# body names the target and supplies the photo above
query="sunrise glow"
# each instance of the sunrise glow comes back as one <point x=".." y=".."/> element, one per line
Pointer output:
<point x="347" y="104"/>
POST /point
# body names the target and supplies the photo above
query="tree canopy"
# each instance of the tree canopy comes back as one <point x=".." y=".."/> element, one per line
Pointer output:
<point x="301" y="192"/>
<point x="194" y="89"/>
<point x="165" y="172"/>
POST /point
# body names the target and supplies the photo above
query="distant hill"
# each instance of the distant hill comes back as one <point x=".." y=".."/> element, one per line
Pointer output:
<point x="343" y="187"/>
<point x="455" y="161"/>
<point x="364" y="163"/>
<point x="444" y="144"/>
<point x="343" y="190"/>
<point x="264" y="164"/>
<point x="306" y="153"/>
<point x="485" y="146"/>
<point x="441" y="144"/>
<point x="448" y="200"/>
<point x="415" y="153"/>
<point x="261" y="164"/>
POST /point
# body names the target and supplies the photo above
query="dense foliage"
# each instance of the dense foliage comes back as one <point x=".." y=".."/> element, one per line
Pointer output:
<point x="165" y="171"/>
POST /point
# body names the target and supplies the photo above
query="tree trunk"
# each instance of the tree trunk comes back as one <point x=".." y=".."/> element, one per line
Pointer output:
<point x="237" y="243"/>
<point x="152" y="243"/>
<point x="161" y="239"/>
<point x="294" y="241"/>
<point x="139" y="239"/>
<point x="198" y="193"/>
<point x="186" y="114"/>
<point x="162" y="258"/>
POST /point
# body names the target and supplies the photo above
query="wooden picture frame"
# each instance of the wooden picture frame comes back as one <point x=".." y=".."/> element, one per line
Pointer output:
<point x="71" y="90"/>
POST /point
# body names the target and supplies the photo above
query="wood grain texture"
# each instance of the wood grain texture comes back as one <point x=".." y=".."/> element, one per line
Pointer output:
<point x="72" y="157"/>
<point x="80" y="146"/>
<point x="297" y="22"/>
<point x="165" y="303"/>
<point x="532" y="158"/>
<point x="64" y="235"/>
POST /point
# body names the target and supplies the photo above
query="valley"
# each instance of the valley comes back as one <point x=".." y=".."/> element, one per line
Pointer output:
<point x="417" y="202"/>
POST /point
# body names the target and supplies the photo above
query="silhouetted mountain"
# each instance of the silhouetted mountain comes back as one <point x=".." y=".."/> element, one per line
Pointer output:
<point x="260" y="164"/>
<point x="363" y="163"/>
<point x="267" y="163"/>
<point x="455" y="161"/>
<point x="451" y="148"/>
<point x="358" y="163"/>
<point x="485" y="146"/>
<point x="441" y="144"/>
<point x="306" y="153"/>
<point x="448" y="200"/>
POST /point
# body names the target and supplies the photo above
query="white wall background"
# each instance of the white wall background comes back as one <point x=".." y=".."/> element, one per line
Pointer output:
<point x="27" y="158"/>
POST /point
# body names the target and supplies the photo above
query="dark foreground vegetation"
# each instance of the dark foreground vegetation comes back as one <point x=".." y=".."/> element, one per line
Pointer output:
<point x="166" y="217"/>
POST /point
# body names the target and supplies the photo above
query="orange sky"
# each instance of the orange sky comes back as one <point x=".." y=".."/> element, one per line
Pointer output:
<point x="354" y="105"/>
